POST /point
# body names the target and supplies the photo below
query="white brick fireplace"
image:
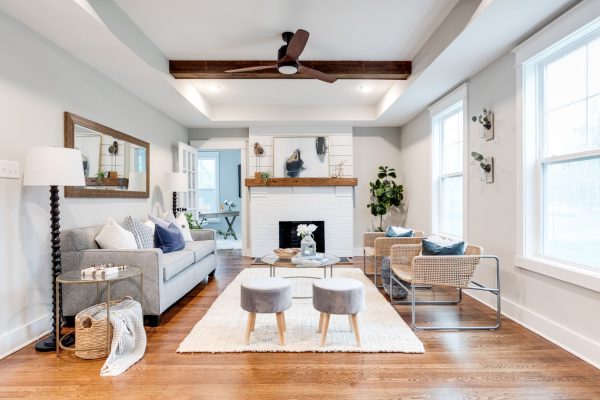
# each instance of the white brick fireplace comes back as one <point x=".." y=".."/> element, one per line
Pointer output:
<point x="268" y="205"/>
<point x="331" y="204"/>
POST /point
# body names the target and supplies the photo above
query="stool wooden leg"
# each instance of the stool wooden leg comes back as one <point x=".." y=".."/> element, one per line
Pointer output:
<point x="324" y="328"/>
<point x="350" y="320"/>
<point x="284" y="323"/>
<point x="320" y="327"/>
<point x="249" y="327"/>
<point x="280" y="327"/>
<point x="354" y="320"/>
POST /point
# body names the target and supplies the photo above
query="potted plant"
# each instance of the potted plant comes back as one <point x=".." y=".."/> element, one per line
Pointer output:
<point x="385" y="194"/>
<point x="193" y="222"/>
<point x="230" y="204"/>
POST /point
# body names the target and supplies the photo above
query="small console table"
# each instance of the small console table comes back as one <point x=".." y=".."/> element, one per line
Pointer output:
<point x="226" y="214"/>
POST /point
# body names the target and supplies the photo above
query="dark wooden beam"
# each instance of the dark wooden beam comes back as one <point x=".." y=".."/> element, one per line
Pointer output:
<point x="190" y="69"/>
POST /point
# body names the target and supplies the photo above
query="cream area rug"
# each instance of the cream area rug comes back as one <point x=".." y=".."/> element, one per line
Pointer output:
<point x="222" y="329"/>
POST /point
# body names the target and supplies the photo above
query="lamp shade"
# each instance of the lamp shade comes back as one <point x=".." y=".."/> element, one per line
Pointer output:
<point x="177" y="182"/>
<point x="53" y="166"/>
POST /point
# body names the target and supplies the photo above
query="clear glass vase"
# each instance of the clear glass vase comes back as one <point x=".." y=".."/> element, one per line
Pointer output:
<point x="308" y="247"/>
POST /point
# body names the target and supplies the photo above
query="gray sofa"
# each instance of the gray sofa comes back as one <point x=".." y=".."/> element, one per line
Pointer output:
<point x="167" y="277"/>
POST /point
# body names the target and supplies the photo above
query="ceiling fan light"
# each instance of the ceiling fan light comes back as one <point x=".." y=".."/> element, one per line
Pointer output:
<point x="288" y="69"/>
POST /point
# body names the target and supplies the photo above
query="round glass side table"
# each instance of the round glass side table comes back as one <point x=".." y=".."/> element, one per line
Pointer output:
<point x="74" y="278"/>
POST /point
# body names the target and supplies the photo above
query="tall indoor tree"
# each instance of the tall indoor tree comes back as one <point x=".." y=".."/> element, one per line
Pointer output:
<point x="385" y="193"/>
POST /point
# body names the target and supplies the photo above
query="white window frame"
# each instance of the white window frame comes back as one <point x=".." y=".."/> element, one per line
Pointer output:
<point x="213" y="155"/>
<point x="571" y="30"/>
<point x="456" y="98"/>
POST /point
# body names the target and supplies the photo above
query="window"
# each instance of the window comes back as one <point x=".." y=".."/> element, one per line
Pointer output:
<point x="562" y="152"/>
<point x="448" y="164"/>
<point x="208" y="181"/>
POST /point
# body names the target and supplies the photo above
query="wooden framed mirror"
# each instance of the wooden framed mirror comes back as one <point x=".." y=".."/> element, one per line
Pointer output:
<point x="114" y="163"/>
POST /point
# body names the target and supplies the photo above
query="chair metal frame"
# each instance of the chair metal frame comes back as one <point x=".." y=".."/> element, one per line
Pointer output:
<point x="471" y="286"/>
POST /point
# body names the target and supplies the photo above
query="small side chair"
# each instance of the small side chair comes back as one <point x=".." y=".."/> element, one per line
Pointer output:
<point x="449" y="271"/>
<point x="377" y="245"/>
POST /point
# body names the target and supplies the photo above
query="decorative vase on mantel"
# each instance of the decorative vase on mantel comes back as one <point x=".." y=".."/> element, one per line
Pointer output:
<point x="308" y="247"/>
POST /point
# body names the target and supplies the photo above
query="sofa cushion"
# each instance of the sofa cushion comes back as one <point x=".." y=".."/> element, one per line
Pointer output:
<point x="201" y="248"/>
<point x="80" y="239"/>
<point x="176" y="262"/>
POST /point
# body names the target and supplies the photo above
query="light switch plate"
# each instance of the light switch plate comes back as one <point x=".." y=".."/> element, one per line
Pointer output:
<point x="9" y="169"/>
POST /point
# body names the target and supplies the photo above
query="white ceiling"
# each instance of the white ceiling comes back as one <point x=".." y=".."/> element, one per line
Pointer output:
<point x="251" y="30"/>
<point x="291" y="92"/>
<point x="130" y="42"/>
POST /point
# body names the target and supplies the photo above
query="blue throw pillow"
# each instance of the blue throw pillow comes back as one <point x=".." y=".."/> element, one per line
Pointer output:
<point x="398" y="231"/>
<point x="437" y="246"/>
<point x="168" y="239"/>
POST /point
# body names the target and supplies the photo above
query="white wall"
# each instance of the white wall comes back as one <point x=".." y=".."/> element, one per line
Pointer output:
<point x="38" y="82"/>
<point x="557" y="310"/>
<point x="374" y="147"/>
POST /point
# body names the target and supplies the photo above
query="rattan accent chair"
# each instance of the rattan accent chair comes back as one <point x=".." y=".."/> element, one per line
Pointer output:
<point x="409" y="265"/>
<point x="376" y="244"/>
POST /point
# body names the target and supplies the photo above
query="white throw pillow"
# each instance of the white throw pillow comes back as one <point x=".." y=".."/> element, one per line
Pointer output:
<point x="113" y="236"/>
<point x="183" y="225"/>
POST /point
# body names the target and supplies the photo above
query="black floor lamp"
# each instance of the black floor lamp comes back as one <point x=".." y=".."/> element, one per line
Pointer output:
<point x="53" y="167"/>
<point x="177" y="182"/>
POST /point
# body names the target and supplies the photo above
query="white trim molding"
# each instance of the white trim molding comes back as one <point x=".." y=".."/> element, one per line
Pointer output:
<point x="572" y="25"/>
<point x="575" y="275"/>
<point x="456" y="98"/>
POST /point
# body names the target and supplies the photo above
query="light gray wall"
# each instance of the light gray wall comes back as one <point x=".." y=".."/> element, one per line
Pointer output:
<point x="228" y="188"/>
<point x="38" y="82"/>
<point x="212" y="133"/>
<point x="553" y="308"/>
<point x="373" y="147"/>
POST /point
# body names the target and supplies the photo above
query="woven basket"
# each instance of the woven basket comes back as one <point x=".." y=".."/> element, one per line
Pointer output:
<point x="90" y="331"/>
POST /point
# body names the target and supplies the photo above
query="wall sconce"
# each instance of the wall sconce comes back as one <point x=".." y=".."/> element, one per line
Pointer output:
<point x="486" y="119"/>
<point x="486" y="165"/>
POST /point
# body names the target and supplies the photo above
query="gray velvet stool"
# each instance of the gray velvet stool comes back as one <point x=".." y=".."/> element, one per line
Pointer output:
<point x="338" y="296"/>
<point x="266" y="296"/>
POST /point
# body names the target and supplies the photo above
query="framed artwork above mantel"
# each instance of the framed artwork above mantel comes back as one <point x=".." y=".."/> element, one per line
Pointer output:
<point x="301" y="157"/>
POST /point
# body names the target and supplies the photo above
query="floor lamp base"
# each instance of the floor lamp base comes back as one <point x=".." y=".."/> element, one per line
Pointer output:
<point x="48" y="343"/>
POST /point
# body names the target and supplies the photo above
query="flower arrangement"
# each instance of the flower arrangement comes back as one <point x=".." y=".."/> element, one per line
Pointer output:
<point x="305" y="230"/>
<point x="230" y="204"/>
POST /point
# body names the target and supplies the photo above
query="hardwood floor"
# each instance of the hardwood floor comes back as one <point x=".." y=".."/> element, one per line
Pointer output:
<point x="510" y="363"/>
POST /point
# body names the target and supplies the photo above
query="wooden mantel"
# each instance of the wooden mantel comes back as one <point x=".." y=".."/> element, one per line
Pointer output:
<point x="254" y="182"/>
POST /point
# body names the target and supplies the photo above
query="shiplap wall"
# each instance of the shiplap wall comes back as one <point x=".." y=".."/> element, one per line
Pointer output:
<point x="339" y="140"/>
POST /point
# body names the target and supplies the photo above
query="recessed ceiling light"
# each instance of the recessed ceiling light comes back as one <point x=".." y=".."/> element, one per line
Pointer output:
<point x="214" y="88"/>
<point x="366" y="88"/>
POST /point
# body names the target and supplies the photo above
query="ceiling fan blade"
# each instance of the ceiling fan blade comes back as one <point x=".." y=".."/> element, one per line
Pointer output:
<point x="297" y="44"/>
<point x="250" y="69"/>
<point x="313" y="73"/>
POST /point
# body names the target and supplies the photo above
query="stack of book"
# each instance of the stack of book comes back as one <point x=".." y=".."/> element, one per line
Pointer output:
<point x="99" y="273"/>
<point x="315" y="261"/>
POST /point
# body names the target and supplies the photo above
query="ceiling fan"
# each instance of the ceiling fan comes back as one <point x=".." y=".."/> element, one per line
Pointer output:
<point x="287" y="58"/>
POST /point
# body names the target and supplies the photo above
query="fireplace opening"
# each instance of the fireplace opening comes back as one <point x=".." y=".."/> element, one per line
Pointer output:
<point x="289" y="238"/>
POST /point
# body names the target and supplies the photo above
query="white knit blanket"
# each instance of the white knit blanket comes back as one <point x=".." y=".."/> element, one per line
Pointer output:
<point x="129" y="338"/>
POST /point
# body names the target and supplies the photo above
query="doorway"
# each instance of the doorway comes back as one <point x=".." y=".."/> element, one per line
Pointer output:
<point x="221" y="192"/>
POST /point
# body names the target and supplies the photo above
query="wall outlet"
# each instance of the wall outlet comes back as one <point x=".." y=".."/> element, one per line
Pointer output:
<point x="10" y="169"/>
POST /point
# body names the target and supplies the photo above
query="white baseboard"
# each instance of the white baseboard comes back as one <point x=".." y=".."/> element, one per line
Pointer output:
<point x="23" y="336"/>
<point x="580" y="346"/>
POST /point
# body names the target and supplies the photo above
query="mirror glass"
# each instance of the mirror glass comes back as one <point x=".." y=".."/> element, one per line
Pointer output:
<point x="110" y="163"/>
<point x="114" y="163"/>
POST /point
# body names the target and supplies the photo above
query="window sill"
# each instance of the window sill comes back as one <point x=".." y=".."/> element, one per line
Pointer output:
<point x="563" y="272"/>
